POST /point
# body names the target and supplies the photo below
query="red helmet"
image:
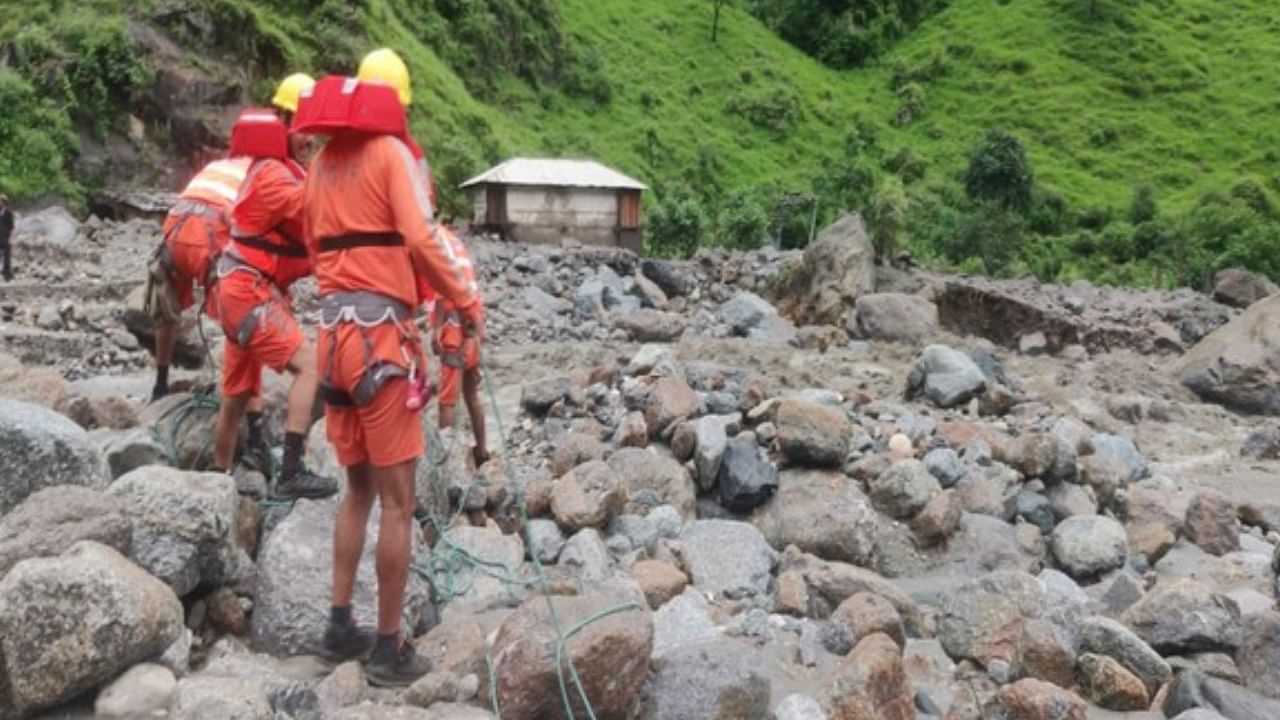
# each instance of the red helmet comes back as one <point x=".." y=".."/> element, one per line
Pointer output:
<point x="259" y="133"/>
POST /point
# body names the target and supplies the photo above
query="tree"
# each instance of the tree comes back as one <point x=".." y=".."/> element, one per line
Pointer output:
<point x="886" y="215"/>
<point x="999" y="172"/>
<point x="717" y="5"/>
<point x="1143" y="208"/>
<point x="991" y="233"/>
<point x="676" y="223"/>
<point x="743" y="223"/>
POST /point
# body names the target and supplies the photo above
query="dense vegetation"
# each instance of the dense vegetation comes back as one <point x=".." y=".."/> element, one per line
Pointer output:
<point x="1123" y="142"/>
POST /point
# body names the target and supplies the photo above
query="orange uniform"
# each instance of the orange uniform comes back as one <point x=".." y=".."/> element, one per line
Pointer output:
<point x="196" y="229"/>
<point x="458" y="352"/>
<point x="370" y="231"/>
<point x="265" y="257"/>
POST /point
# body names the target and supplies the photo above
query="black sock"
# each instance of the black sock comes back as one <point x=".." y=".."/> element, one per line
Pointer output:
<point x="340" y="615"/>
<point x="162" y="376"/>
<point x="292" y="464"/>
<point x="387" y="645"/>
<point x="255" y="430"/>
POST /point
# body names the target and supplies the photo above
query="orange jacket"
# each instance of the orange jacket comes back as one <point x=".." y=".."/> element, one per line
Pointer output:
<point x="218" y="183"/>
<point x="372" y="185"/>
<point x="444" y="308"/>
<point x="266" y="221"/>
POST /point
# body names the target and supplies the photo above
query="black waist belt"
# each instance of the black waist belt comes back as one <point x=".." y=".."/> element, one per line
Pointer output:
<point x="360" y="240"/>
<point x="257" y="243"/>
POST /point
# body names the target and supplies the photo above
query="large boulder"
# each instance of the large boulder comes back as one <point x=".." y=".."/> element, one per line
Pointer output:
<point x="672" y="278"/>
<point x="746" y="312"/>
<point x="837" y="269"/>
<point x="183" y="526"/>
<point x="945" y="377"/>
<point x="1259" y="656"/>
<point x="144" y="690"/>
<point x="894" y="317"/>
<point x="1110" y="685"/>
<point x="727" y="558"/>
<point x="652" y="479"/>
<point x="1185" y="616"/>
<point x="49" y="522"/>
<point x="712" y="442"/>
<point x="1089" y="545"/>
<point x="820" y="512"/>
<point x="610" y="652"/>
<point x="651" y="325"/>
<point x="1211" y="523"/>
<point x="588" y="496"/>
<point x="722" y="678"/>
<point x="1104" y="636"/>
<point x="1237" y="365"/>
<point x="1191" y="690"/>
<point x="1032" y="699"/>
<point x="53" y="228"/>
<point x="903" y="489"/>
<point x="481" y="588"/>
<point x="670" y="400"/>
<point x="812" y="434"/>
<point x="295" y="576"/>
<point x="71" y="623"/>
<point x="40" y="448"/>
<point x="982" y="619"/>
<point x="1240" y="288"/>
<point x="871" y="683"/>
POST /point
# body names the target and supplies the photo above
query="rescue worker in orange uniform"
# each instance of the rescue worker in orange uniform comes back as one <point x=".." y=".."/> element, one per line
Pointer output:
<point x="370" y="228"/>
<point x="459" y="356"/>
<point x="265" y="256"/>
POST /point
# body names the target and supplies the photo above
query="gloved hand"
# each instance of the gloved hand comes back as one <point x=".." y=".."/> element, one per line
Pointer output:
<point x="473" y="320"/>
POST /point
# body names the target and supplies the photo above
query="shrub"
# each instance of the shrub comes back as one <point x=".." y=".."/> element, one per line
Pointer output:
<point x="886" y="216"/>
<point x="912" y="99"/>
<point x="1251" y="193"/>
<point x="36" y="140"/>
<point x="775" y="110"/>
<point x="907" y="165"/>
<point x="999" y="172"/>
<point x="991" y="233"/>
<point x="743" y="223"/>
<point x="1143" y="208"/>
<point x="676" y="223"/>
<point x="1048" y="214"/>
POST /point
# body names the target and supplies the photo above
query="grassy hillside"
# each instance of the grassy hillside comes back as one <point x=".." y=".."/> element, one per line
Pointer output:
<point x="1173" y="94"/>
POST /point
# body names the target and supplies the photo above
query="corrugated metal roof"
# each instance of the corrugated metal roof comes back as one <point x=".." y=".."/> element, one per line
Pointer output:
<point x="556" y="173"/>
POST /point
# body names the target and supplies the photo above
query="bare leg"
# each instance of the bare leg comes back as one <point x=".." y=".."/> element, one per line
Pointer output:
<point x="471" y="391"/>
<point x="395" y="541"/>
<point x="446" y="416"/>
<point x="349" y="532"/>
<point x="228" y="430"/>
<point x="302" y="394"/>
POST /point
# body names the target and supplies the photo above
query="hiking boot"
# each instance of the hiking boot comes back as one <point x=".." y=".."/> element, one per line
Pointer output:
<point x="391" y="669"/>
<point x="304" y="484"/>
<point x="343" y="642"/>
<point x="258" y="457"/>
<point x="158" y="391"/>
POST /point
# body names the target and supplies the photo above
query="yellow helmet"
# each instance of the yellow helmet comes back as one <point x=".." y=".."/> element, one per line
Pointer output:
<point x="290" y="90"/>
<point x="385" y="66"/>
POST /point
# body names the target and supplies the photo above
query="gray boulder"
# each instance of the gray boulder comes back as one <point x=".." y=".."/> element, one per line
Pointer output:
<point x="718" y="679"/>
<point x="541" y="305"/>
<point x="945" y="377"/>
<point x="1104" y="636"/>
<point x="712" y="442"/>
<point x="747" y="479"/>
<point x="798" y="707"/>
<point x="134" y="449"/>
<point x="904" y="489"/>
<point x="894" y="317"/>
<point x="142" y="691"/>
<point x="1185" y="616"/>
<point x="295" y="575"/>
<point x="71" y="623"/>
<point x="1240" y="288"/>
<point x="652" y="479"/>
<point x="545" y="540"/>
<point x="49" y="522"/>
<point x="537" y="397"/>
<point x="1259" y="655"/>
<point x="673" y="279"/>
<point x="683" y="621"/>
<point x="1089" y="545"/>
<point x="40" y="448"/>
<point x="183" y="526"/>
<point x="588" y="496"/>
<point x="820" y="512"/>
<point x="586" y="556"/>
<point x="945" y="465"/>
<point x="650" y="326"/>
<point x="1236" y="365"/>
<point x="1191" y="690"/>
<point x="746" y="312"/>
<point x="837" y="269"/>
<point x="727" y="558"/>
<point x="812" y="434"/>
<point x="977" y="616"/>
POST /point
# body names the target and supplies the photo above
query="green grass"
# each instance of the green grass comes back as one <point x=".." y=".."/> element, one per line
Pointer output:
<point x="1180" y="94"/>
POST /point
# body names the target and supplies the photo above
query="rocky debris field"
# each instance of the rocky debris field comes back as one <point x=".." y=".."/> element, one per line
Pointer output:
<point x="784" y="486"/>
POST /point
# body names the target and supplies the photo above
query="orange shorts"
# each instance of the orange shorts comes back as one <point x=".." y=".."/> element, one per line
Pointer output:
<point x="191" y="248"/>
<point x="385" y="432"/>
<point x="451" y="342"/>
<point x="275" y="339"/>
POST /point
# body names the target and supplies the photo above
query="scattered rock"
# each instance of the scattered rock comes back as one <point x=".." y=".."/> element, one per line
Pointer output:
<point x="586" y="556"/>
<point x="1104" y="636"/>
<point x="721" y="678"/>
<point x="40" y="448"/>
<point x="610" y="654"/>
<point x="1109" y="685"/>
<point x="798" y="707"/>
<point x="652" y="479"/>
<point x="1185" y="616"/>
<point x="812" y="434"/>
<point x="893" y="317"/>
<point x="1240" y="288"/>
<point x="1032" y="699"/>
<point x="659" y="581"/>
<point x="747" y="479"/>
<point x="837" y="269"/>
<point x="1230" y="366"/>
<point x="945" y="465"/>
<point x="632" y="432"/>
<point x="588" y="496"/>
<point x="141" y="691"/>
<point x="871" y="683"/>
<point x="1259" y="655"/>
<point x="727" y="558"/>
<point x="668" y="276"/>
<point x="946" y="377"/>
<point x="820" y="512"/>
<point x="545" y="540"/>
<point x="939" y="519"/>
<point x="982" y="619"/>
<point x="1211" y="523"/>
<point x="344" y="687"/>
<point x="70" y="623"/>
<point x="538" y="397"/>
<point x="904" y="489"/>
<point x="746" y="312"/>
<point x="574" y="450"/>
<point x="651" y="326"/>
<point x="865" y="614"/>
<point x="1089" y="545"/>
<point x="1191" y="689"/>
<point x="712" y="441"/>
<point x="670" y="400"/>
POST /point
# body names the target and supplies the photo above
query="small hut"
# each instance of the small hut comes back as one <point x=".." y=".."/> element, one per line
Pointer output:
<point x="543" y="201"/>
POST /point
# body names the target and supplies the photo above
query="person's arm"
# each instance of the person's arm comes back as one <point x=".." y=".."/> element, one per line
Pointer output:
<point x="431" y="253"/>
<point x="277" y="196"/>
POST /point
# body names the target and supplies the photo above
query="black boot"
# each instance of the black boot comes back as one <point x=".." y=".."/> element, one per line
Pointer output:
<point x="344" y="640"/>
<point x="161" y="388"/>
<point x="395" y="664"/>
<point x="296" y="481"/>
